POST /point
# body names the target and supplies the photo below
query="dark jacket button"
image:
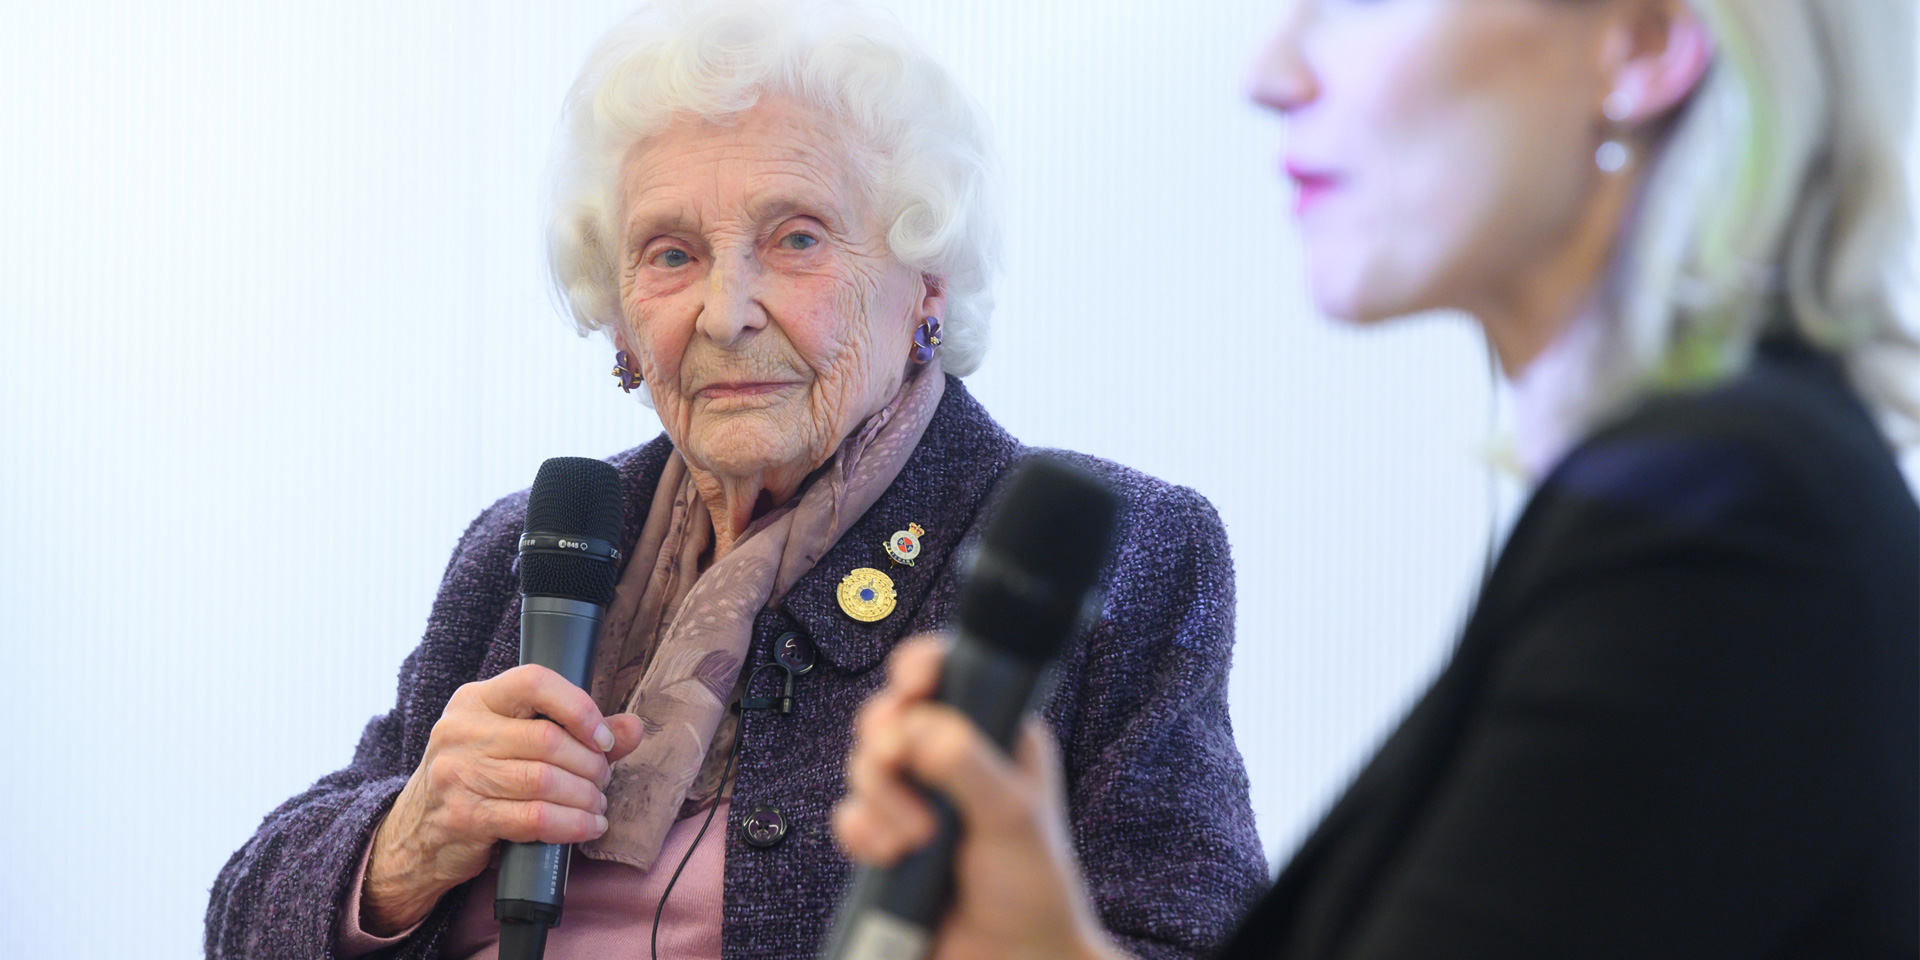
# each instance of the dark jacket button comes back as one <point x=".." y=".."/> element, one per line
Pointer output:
<point x="794" y="652"/>
<point x="763" y="828"/>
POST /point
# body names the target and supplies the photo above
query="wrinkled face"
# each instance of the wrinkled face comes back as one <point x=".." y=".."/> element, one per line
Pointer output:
<point x="768" y="317"/>
<point x="1442" y="148"/>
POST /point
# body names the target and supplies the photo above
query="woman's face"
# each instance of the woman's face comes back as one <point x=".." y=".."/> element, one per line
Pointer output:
<point x="767" y="314"/>
<point x="1443" y="149"/>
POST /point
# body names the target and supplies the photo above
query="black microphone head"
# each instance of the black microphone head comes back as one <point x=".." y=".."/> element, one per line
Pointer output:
<point x="1040" y="559"/>
<point x="570" y="544"/>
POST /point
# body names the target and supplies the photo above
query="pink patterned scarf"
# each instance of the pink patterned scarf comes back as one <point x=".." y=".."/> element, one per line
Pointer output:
<point x="675" y="638"/>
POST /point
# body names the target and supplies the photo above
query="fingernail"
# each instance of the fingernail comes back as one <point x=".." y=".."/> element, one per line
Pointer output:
<point x="603" y="737"/>
<point x="600" y="823"/>
<point x="603" y="804"/>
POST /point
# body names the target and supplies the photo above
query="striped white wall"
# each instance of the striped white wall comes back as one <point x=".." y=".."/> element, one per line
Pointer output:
<point x="275" y="330"/>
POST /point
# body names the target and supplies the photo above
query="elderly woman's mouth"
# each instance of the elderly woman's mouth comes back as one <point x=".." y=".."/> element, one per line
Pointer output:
<point x="743" y="388"/>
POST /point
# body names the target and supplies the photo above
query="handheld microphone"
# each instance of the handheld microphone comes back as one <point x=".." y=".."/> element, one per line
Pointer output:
<point x="1031" y="587"/>
<point x="568" y="564"/>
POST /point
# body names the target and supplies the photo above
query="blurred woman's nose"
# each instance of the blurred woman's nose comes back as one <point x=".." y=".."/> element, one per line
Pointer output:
<point x="1279" y="78"/>
<point x="732" y="309"/>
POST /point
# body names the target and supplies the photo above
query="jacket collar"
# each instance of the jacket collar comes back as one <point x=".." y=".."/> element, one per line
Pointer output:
<point x="941" y="487"/>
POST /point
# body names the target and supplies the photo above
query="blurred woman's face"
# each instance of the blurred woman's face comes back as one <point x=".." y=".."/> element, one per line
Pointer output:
<point x="1442" y="149"/>
<point x="768" y="316"/>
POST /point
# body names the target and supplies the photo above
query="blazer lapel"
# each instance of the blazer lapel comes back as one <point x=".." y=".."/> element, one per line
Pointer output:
<point x="942" y="488"/>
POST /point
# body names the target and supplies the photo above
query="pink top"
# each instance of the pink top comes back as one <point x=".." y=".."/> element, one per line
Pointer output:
<point x="609" y="908"/>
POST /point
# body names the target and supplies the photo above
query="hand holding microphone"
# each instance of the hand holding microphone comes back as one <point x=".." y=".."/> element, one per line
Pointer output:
<point x="1018" y="891"/>
<point x="522" y="757"/>
<point x="966" y="852"/>
<point x="492" y="772"/>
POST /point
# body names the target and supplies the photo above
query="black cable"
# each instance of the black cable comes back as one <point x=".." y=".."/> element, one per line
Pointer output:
<point x="719" y="793"/>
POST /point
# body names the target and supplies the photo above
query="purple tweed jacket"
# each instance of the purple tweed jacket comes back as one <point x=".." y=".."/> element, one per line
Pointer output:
<point x="1157" y="791"/>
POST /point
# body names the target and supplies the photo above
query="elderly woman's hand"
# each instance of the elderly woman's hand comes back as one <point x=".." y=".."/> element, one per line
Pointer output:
<point x="493" y="770"/>
<point x="1018" y="891"/>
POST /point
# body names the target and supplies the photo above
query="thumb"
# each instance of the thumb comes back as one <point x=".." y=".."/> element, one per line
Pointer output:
<point x="627" y="731"/>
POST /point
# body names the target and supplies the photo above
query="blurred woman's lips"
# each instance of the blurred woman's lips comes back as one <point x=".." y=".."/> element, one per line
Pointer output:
<point x="1311" y="185"/>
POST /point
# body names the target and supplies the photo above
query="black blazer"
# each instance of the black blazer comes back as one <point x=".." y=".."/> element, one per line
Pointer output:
<point x="1682" y="720"/>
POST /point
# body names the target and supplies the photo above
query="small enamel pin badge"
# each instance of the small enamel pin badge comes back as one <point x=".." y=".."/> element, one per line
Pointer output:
<point x="867" y="595"/>
<point x="904" y="545"/>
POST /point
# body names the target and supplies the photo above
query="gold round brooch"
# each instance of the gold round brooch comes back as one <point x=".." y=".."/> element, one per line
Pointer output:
<point x="867" y="595"/>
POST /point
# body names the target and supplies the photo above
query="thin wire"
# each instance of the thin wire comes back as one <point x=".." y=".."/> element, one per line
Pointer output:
<point x="719" y="794"/>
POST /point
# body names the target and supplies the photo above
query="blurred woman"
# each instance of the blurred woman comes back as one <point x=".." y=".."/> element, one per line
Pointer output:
<point x="1682" y="720"/>
<point x="781" y="214"/>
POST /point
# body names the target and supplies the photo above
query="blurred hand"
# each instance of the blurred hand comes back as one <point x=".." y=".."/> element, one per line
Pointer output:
<point x="492" y="771"/>
<point x="1018" y="891"/>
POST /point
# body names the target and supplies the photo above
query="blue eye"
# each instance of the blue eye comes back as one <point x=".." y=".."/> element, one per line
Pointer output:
<point x="800" y="241"/>
<point x="673" y="257"/>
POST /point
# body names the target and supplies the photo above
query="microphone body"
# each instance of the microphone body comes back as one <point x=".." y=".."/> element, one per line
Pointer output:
<point x="1031" y="587"/>
<point x="567" y="568"/>
<point x="560" y="634"/>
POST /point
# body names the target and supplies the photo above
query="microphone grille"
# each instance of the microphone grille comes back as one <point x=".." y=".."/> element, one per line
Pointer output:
<point x="573" y="497"/>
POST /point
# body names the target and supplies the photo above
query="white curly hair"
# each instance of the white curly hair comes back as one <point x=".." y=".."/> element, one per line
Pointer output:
<point x="922" y="146"/>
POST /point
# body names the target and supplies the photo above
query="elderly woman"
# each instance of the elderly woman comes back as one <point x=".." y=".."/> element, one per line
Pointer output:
<point x="1684" y="719"/>
<point x="780" y="212"/>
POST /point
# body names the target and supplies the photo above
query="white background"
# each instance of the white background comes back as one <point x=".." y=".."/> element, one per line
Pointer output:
<point x="276" y="329"/>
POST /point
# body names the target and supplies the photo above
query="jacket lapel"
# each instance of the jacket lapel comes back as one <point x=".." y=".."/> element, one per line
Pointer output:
<point x="942" y="488"/>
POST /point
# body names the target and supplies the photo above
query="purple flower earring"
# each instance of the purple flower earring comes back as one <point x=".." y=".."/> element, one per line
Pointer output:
<point x="626" y="371"/>
<point x="926" y="340"/>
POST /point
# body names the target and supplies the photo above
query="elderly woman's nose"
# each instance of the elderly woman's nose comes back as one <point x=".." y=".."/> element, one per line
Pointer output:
<point x="1279" y="78"/>
<point x="732" y="307"/>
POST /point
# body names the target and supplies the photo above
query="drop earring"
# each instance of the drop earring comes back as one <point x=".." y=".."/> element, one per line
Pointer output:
<point x="1614" y="155"/>
<point x="926" y="340"/>
<point x="626" y="371"/>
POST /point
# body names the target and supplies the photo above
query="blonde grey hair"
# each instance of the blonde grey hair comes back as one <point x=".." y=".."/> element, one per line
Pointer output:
<point x="1783" y="178"/>
<point x="919" y="143"/>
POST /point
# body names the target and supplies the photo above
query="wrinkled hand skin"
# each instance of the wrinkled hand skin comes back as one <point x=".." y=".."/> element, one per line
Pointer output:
<point x="767" y="313"/>
<point x="494" y="769"/>
<point x="1018" y="889"/>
